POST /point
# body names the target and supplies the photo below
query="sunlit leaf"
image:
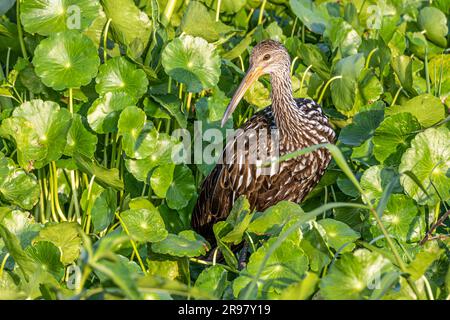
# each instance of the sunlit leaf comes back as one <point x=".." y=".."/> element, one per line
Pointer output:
<point x="47" y="17"/>
<point x="185" y="244"/>
<point x="429" y="159"/>
<point x="66" y="60"/>
<point x="193" y="62"/>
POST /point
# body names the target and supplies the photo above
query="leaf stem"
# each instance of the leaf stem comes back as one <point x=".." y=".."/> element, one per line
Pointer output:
<point x="133" y="244"/>
<point x="105" y="41"/>
<point x="168" y="12"/>
<point x="261" y="12"/>
<point x="20" y="31"/>
<point x="326" y="87"/>
<point x="55" y="191"/>
<point x="219" y="3"/>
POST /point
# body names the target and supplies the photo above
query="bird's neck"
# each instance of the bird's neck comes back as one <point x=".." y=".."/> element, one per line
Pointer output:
<point x="283" y="104"/>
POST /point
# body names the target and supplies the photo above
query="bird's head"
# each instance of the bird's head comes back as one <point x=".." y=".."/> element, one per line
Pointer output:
<point x="267" y="57"/>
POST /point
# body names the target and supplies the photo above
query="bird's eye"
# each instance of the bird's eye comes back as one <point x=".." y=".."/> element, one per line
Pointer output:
<point x="266" y="57"/>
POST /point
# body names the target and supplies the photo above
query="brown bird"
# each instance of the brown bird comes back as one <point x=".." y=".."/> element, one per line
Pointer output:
<point x="300" y="123"/>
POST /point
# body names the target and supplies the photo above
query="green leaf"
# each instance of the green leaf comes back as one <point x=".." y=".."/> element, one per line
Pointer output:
<point x="428" y="159"/>
<point x="239" y="219"/>
<point x="314" y="245"/>
<point x="103" y="176"/>
<point x="145" y="224"/>
<point x="213" y="107"/>
<point x="272" y="220"/>
<point x="402" y="219"/>
<point x="6" y="5"/>
<point x="120" y="75"/>
<point x="22" y="225"/>
<point x="138" y="137"/>
<point x="428" y="109"/>
<point x="163" y="268"/>
<point x="287" y="265"/>
<point x="186" y="244"/>
<point x="122" y="272"/>
<point x="104" y="113"/>
<point x="66" y="60"/>
<point x="352" y="277"/>
<point x="343" y="90"/>
<point x="102" y="206"/>
<point x="79" y="139"/>
<point x="161" y="179"/>
<point x="227" y="6"/>
<point x="312" y="56"/>
<point x="213" y="280"/>
<point x="182" y="188"/>
<point x="17" y="186"/>
<point x="393" y="136"/>
<point x="65" y="236"/>
<point x="257" y="95"/>
<point x="376" y="179"/>
<point x="342" y="37"/>
<point x="314" y="18"/>
<point x="193" y="62"/>
<point x="172" y="105"/>
<point x="402" y="66"/>
<point x="26" y="264"/>
<point x="362" y="128"/>
<point x="47" y="17"/>
<point x="339" y="234"/>
<point x="303" y="289"/>
<point x="209" y="29"/>
<point x="39" y="129"/>
<point x="47" y="256"/>
<point x="434" y="22"/>
<point x="423" y="260"/>
<point x="129" y="25"/>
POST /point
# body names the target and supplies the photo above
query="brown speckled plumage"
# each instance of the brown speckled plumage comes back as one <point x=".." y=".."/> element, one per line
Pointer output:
<point x="301" y="123"/>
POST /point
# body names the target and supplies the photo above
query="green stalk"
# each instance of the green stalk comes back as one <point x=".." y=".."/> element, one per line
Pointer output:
<point x="427" y="73"/>
<point x="133" y="244"/>
<point x="209" y="263"/>
<point x="168" y="12"/>
<point x="55" y="191"/>
<point x="219" y="3"/>
<point x="105" y="151"/>
<point x="87" y="221"/>
<point x="369" y="57"/>
<point x="396" y="96"/>
<point x="2" y="266"/>
<point x="326" y="87"/>
<point x="72" y="173"/>
<point x="20" y="31"/>
<point x="105" y="41"/>
<point x="304" y="76"/>
<point x="51" y="196"/>
<point x="261" y="12"/>
<point x="113" y="151"/>
<point x="293" y="27"/>
<point x="188" y="102"/>
<point x="293" y="64"/>
<point x="41" y="197"/>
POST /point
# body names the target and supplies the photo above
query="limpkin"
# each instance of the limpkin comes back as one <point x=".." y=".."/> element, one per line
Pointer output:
<point x="300" y="123"/>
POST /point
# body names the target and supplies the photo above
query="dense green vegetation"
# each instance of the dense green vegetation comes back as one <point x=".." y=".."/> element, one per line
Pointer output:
<point x="91" y="207"/>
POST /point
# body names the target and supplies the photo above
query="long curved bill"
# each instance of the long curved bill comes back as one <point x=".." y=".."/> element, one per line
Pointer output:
<point x="252" y="75"/>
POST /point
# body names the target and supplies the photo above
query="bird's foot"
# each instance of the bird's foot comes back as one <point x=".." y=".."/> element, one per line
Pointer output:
<point x="242" y="263"/>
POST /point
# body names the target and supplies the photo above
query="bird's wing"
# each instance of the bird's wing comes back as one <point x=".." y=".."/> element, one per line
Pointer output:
<point x="234" y="175"/>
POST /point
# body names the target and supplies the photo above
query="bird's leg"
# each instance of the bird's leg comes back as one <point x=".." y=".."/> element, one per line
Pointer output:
<point x="243" y="256"/>
<point x="214" y="255"/>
